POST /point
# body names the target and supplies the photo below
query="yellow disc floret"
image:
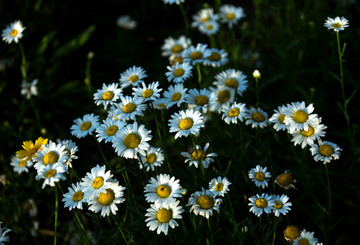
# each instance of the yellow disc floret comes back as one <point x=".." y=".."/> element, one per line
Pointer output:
<point x="129" y="108"/>
<point x="291" y="233"/>
<point x="326" y="150"/>
<point x="201" y="100"/>
<point x="198" y="155"/>
<point x="285" y="179"/>
<point x="164" y="215"/>
<point x="176" y="96"/>
<point x="14" y="32"/>
<point x="205" y="202"/>
<point x="132" y="140"/>
<point x="234" y="112"/>
<point x="281" y="118"/>
<point x="78" y="196"/>
<point x="98" y="182"/>
<point x="85" y="126"/>
<point x="230" y="16"/>
<point x="50" y="173"/>
<point x="261" y="203"/>
<point x="150" y="158"/>
<point x="50" y="158"/>
<point x="223" y="96"/>
<point x="179" y="72"/>
<point x="108" y="95"/>
<point x="177" y="48"/>
<point x="278" y="205"/>
<point x="260" y="176"/>
<point x="147" y="93"/>
<point x="215" y="56"/>
<point x="112" y="130"/>
<point x="231" y="83"/>
<point x="22" y="163"/>
<point x="186" y="123"/>
<point x="336" y="25"/>
<point x="219" y="186"/>
<point x="163" y="191"/>
<point x="258" y="117"/>
<point x="133" y="78"/>
<point x="300" y="116"/>
<point x="196" y="55"/>
<point x="106" y="198"/>
<point x="307" y="133"/>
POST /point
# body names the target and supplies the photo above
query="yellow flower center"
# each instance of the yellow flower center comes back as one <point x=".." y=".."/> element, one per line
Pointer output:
<point x="223" y="96"/>
<point x="196" y="55"/>
<point x="129" y="108"/>
<point x="176" y="96"/>
<point x="291" y="233"/>
<point x="285" y="179"/>
<point x="50" y="158"/>
<point x="78" y="196"/>
<point x="186" y="123"/>
<point x="14" y="32"/>
<point x="261" y="203"/>
<point x="234" y="112"/>
<point x="219" y="187"/>
<point x="307" y="133"/>
<point x="209" y="27"/>
<point x="147" y="93"/>
<point x="179" y="60"/>
<point x="85" y="126"/>
<point x="204" y="19"/>
<point x="300" y="116"/>
<point x="336" y="25"/>
<point x="22" y="163"/>
<point x="231" y="83"/>
<point x="201" y="100"/>
<point x="111" y="130"/>
<point x="133" y="78"/>
<point x="161" y="105"/>
<point x="326" y="150"/>
<point x="282" y="118"/>
<point x="205" y="202"/>
<point x="164" y="215"/>
<point x="230" y="16"/>
<point x="260" y="176"/>
<point x="106" y="198"/>
<point x="151" y="158"/>
<point x="200" y="156"/>
<point x="108" y="95"/>
<point x="177" y="48"/>
<point x="304" y="241"/>
<point x="278" y="205"/>
<point x="215" y="56"/>
<point x="179" y="72"/>
<point x="258" y="117"/>
<point x="163" y="191"/>
<point x="98" y="182"/>
<point x="50" y="173"/>
<point x="132" y="140"/>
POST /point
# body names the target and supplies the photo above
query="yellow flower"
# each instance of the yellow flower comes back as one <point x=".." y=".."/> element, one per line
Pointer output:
<point x="30" y="149"/>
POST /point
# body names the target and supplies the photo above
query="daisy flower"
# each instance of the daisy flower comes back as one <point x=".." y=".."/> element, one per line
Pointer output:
<point x="210" y="27"/>
<point x="3" y="232"/>
<point x="96" y="181"/>
<point x="175" y="94"/>
<point x="204" y="202"/>
<point x="291" y="233"/>
<point x="325" y="151"/>
<point x="149" y="92"/>
<point x="298" y="116"/>
<point x="203" y="16"/>
<point x="285" y="180"/>
<point x="234" y="113"/>
<point x="173" y="1"/>
<point x="219" y="186"/>
<point x="233" y="79"/>
<point x="173" y="47"/>
<point x="306" y="237"/>
<point x="196" y="54"/>
<point x="129" y="108"/>
<point x="13" y="32"/>
<point x="337" y="24"/>
<point x="231" y="14"/>
<point x="199" y="156"/>
<point x="278" y="119"/>
<point x="74" y="198"/>
<point x="51" y="174"/>
<point x="307" y="137"/>
<point x="126" y="22"/>
<point x="162" y="190"/>
<point x="179" y="73"/>
<point x="261" y="203"/>
<point x="30" y="149"/>
<point x="107" y="130"/>
<point x="160" y="104"/>
<point x="257" y="118"/>
<point x="70" y="149"/>
<point x="282" y="206"/>
<point x="132" y="76"/>
<point x="218" y="57"/>
<point x="185" y="123"/>
<point x="51" y="153"/>
<point x="20" y="165"/>
<point x="29" y="89"/>
<point x="132" y="139"/>
<point x="201" y="99"/>
<point x="108" y="95"/>
<point x="160" y="218"/>
<point x="260" y="176"/>
<point x="85" y="126"/>
<point x="106" y="201"/>
<point x="154" y="157"/>
<point x="225" y="97"/>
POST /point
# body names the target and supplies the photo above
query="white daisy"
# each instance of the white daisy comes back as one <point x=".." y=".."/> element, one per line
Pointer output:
<point x="306" y="237"/>
<point x="261" y="203"/>
<point x="282" y="206"/>
<point x="308" y="137"/>
<point x="298" y="116"/>
<point x="132" y="139"/>
<point x="231" y="14"/>
<point x="3" y="232"/>
<point x="160" y="218"/>
<point x="210" y="27"/>
<point x="173" y="1"/>
<point x="219" y="186"/>
<point x="108" y="95"/>
<point x="199" y="156"/>
<point x="160" y="104"/>
<point x="204" y="202"/>
<point x="218" y="57"/>
<point x="196" y="54"/>
<point x="129" y="108"/>
<point x="202" y="16"/>
<point x="260" y="176"/>
<point x="75" y="197"/>
<point x="149" y="92"/>
<point x="107" y="130"/>
<point x="96" y="181"/>
<point x="106" y="201"/>
<point x="185" y="123"/>
<point x="337" y="24"/>
<point x="225" y="96"/>
<point x="85" y="126"/>
<point x="234" y="113"/>
<point x="50" y="154"/>
<point x="51" y="174"/>
<point x="257" y="118"/>
<point x="233" y="79"/>
<point x="174" y="47"/>
<point x="325" y="151"/>
<point x="126" y="22"/>
<point x="162" y="190"/>
<point x="20" y="165"/>
<point x="175" y="94"/>
<point x="154" y="157"/>
<point x="132" y="76"/>
<point x="285" y="180"/>
<point x="178" y="73"/>
<point x="29" y="89"/>
<point x="201" y="99"/>
<point x="70" y="149"/>
<point x="13" y="32"/>
<point x="278" y="118"/>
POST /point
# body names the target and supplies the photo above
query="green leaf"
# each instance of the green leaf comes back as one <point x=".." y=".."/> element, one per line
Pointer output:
<point x="343" y="50"/>
<point x="351" y="96"/>
<point x="45" y="41"/>
<point x="335" y="76"/>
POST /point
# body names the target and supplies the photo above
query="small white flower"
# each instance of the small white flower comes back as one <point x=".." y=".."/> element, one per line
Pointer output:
<point x="325" y="151"/>
<point x="29" y="88"/>
<point x="133" y="76"/>
<point x="108" y="95"/>
<point x="75" y="197"/>
<point x="261" y="203"/>
<point x="204" y="202"/>
<point x="337" y="24"/>
<point x="186" y="122"/>
<point x="85" y="126"/>
<point x="13" y="32"/>
<point x="260" y="176"/>
<point x="219" y="186"/>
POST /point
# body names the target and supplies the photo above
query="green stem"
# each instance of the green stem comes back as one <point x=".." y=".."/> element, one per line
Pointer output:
<point x="275" y="224"/>
<point x="329" y="189"/>
<point x="143" y="166"/>
<point x="199" y="73"/>
<point x="23" y="62"/>
<point x="87" y="79"/>
<point x="186" y="22"/>
<point x="119" y="228"/>
<point x="212" y="41"/>
<point x="257" y="92"/>
<point x="85" y="234"/>
<point x="56" y="213"/>
<point x="102" y="153"/>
